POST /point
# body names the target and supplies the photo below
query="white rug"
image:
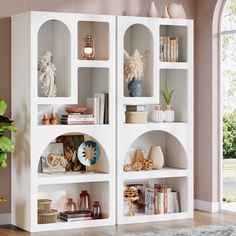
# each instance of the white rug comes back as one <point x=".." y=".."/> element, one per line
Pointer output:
<point x="210" y="230"/>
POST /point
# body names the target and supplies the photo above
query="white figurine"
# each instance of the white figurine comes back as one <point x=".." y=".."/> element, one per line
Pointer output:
<point x="48" y="77"/>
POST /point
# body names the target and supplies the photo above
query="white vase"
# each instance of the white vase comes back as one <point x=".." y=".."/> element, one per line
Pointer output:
<point x="169" y="114"/>
<point x="156" y="154"/>
<point x="158" y="115"/>
<point x="166" y="14"/>
<point x="152" y="11"/>
<point x="176" y="11"/>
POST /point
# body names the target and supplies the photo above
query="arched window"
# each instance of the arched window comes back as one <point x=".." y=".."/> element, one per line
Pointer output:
<point x="228" y="103"/>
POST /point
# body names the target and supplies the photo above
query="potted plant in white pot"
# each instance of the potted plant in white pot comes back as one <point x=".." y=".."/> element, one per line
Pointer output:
<point x="166" y="98"/>
<point x="134" y="72"/>
<point x="6" y="145"/>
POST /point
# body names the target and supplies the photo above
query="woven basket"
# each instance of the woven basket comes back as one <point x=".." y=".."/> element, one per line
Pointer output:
<point x="47" y="218"/>
<point x="44" y="205"/>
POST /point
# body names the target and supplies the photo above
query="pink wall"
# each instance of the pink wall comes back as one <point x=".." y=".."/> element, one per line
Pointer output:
<point x="197" y="10"/>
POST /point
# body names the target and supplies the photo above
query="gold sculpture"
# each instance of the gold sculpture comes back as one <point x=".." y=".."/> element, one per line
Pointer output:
<point x="138" y="159"/>
<point x="131" y="195"/>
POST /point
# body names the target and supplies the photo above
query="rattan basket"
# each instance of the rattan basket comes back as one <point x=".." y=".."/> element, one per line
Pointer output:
<point x="47" y="218"/>
<point x="44" y="205"/>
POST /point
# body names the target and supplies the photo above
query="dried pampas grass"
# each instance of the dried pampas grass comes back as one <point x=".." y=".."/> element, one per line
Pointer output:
<point x="134" y="65"/>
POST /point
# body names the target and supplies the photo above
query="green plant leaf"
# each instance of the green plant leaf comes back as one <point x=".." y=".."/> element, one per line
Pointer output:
<point x="6" y="145"/>
<point x="8" y="128"/>
<point x="3" y="106"/>
<point x="3" y="158"/>
<point x="4" y="119"/>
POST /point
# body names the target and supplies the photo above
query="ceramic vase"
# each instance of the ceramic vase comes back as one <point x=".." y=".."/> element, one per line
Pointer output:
<point x="158" y="115"/>
<point x="176" y="11"/>
<point x="135" y="88"/>
<point x="156" y="154"/>
<point x="166" y="14"/>
<point x="169" y="114"/>
<point x="152" y="11"/>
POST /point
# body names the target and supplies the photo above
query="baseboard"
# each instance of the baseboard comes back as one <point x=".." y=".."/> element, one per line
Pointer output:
<point x="5" y="219"/>
<point x="206" y="206"/>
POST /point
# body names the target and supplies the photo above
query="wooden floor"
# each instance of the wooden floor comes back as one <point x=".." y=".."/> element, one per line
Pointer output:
<point x="200" y="219"/>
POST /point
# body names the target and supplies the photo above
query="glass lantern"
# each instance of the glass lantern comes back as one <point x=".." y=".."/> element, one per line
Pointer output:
<point x="88" y="51"/>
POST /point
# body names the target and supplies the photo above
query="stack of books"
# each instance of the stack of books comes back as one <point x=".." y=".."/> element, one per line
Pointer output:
<point x="71" y="216"/>
<point x="99" y="107"/>
<point x="165" y="200"/>
<point x="77" y="119"/>
<point x="169" y="49"/>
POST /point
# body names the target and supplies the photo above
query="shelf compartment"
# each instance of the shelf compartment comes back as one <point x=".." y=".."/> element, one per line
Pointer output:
<point x="175" y="155"/>
<point x="178" y="184"/>
<point x="177" y="80"/>
<point x="139" y="37"/>
<point x="54" y="35"/>
<point x="71" y="177"/>
<point x="90" y="81"/>
<point x="59" y="193"/>
<point x="182" y="33"/>
<point x="165" y="172"/>
<point x="69" y="149"/>
<point x="100" y="32"/>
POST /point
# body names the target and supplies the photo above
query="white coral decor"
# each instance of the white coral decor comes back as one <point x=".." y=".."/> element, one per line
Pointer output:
<point x="133" y="65"/>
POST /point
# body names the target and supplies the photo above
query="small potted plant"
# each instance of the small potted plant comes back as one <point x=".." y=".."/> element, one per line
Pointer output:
<point x="134" y="72"/>
<point x="6" y="145"/>
<point x="166" y="98"/>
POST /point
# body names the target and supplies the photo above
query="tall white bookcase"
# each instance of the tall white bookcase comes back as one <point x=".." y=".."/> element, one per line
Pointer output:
<point x="176" y="138"/>
<point x="77" y="79"/>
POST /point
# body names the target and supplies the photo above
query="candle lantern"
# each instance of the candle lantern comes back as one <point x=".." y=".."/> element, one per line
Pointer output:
<point x="88" y="51"/>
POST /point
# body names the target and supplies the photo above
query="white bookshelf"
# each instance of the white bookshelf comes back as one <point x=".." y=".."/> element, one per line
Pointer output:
<point x="32" y="33"/>
<point x="175" y="139"/>
<point x="77" y="79"/>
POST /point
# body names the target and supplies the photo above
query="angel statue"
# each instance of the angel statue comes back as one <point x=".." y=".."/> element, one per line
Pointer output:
<point x="48" y="76"/>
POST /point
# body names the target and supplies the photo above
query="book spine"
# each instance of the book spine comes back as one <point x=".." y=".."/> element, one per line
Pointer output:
<point x="76" y="116"/>
<point x="177" y="49"/>
<point x="77" y="119"/>
<point x="135" y="108"/>
<point x="165" y="199"/>
<point x="161" y="49"/>
<point x="160" y="203"/>
<point x="168" y="200"/>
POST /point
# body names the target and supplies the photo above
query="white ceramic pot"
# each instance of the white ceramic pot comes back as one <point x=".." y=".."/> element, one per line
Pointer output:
<point x="156" y="154"/>
<point x="152" y="11"/>
<point x="158" y="115"/>
<point x="169" y="114"/>
<point x="176" y="11"/>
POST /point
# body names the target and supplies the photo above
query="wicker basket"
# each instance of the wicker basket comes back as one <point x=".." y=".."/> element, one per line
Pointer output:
<point x="44" y="205"/>
<point x="47" y="218"/>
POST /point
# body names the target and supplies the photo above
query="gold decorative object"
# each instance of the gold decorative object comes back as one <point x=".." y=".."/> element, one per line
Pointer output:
<point x="131" y="195"/>
<point x="148" y="164"/>
<point x="88" y="50"/>
<point x="127" y="163"/>
<point x="3" y="200"/>
<point x="138" y="159"/>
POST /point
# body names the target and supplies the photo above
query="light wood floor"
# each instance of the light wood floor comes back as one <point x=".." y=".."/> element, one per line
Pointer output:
<point x="200" y="219"/>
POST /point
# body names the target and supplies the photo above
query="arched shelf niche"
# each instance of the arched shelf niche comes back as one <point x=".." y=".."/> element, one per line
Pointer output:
<point x="139" y="37"/>
<point x="55" y="36"/>
<point x="174" y="153"/>
<point x="71" y="142"/>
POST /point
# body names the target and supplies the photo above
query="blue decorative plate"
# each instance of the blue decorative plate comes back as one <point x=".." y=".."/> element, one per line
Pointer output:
<point x="88" y="153"/>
